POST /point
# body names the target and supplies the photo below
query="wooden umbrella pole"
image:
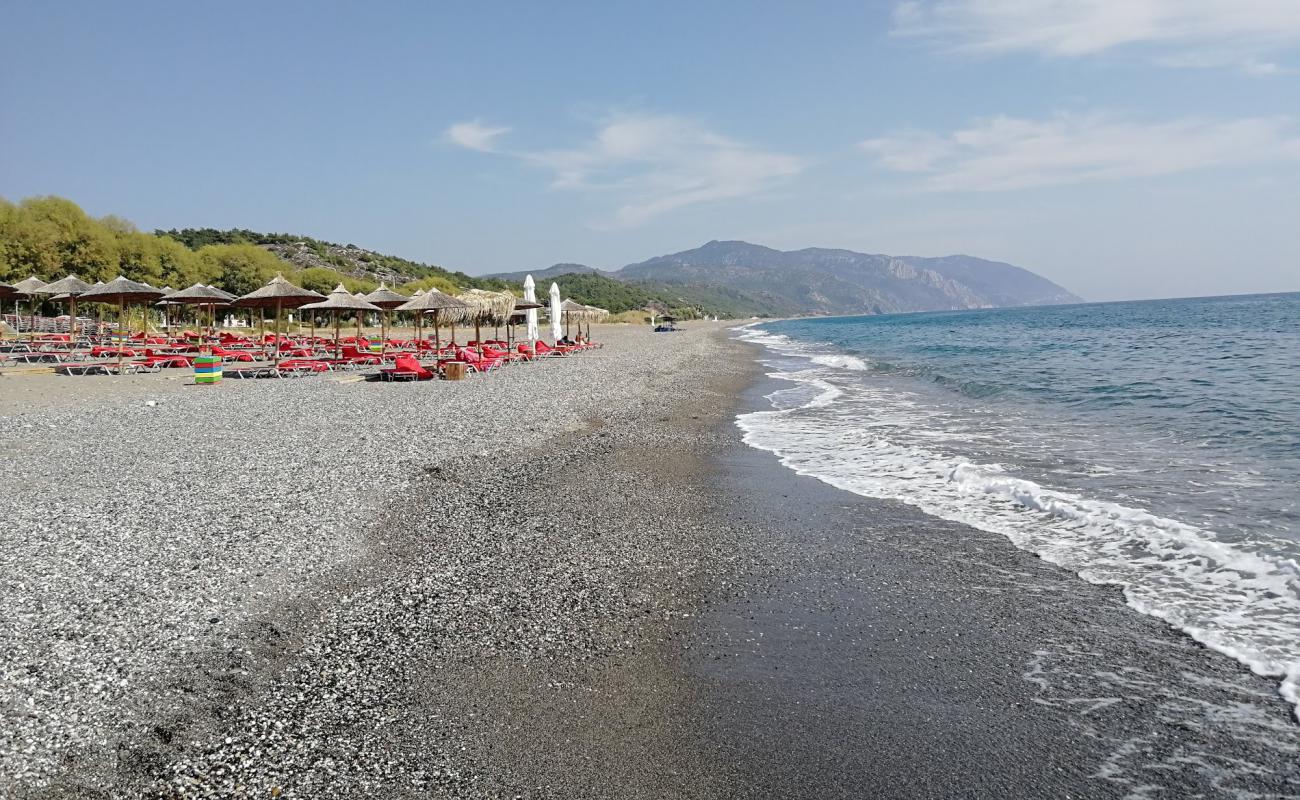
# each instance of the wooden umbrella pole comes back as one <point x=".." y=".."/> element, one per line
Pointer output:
<point x="437" y="336"/>
<point x="478" y="337"/>
<point x="72" y="323"/>
<point x="337" y="352"/>
<point x="277" y="332"/>
<point x="383" y="333"/>
<point x="121" y="326"/>
<point x="261" y="320"/>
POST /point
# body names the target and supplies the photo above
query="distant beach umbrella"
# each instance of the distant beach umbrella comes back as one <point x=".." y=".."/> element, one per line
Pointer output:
<point x="279" y="294"/>
<point x="441" y="306"/>
<point x="122" y="291"/>
<point x="200" y="296"/>
<point x="555" y="312"/>
<point x="341" y="300"/>
<point x="530" y="296"/>
<point x="487" y="306"/>
<point x="70" y="288"/>
<point x="523" y="310"/>
<point x="29" y="288"/>
<point x="386" y="299"/>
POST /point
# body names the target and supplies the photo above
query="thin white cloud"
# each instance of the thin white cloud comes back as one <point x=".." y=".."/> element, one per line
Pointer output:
<point x="651" y="164"/>
<point x="475" y="135"/>
<point x="1003" y="153"/>
<point x="1203" y="33"/>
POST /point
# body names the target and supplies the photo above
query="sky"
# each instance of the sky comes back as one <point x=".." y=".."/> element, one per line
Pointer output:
<point x="1123" y="148"/>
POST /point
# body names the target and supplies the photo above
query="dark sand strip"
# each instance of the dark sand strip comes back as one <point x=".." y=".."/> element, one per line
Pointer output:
<point x="891" y="654"/>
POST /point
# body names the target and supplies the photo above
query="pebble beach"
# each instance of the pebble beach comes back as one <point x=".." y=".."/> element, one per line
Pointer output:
<point x="206" y="586"/>
<point x="563" y="579"/>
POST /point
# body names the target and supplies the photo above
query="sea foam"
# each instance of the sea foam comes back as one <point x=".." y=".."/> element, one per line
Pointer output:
<point x="1233" y="600"/>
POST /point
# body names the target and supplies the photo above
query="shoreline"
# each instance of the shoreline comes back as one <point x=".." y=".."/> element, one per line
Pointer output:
<point x="624" y="600"/>
<point x="915" y="637"/>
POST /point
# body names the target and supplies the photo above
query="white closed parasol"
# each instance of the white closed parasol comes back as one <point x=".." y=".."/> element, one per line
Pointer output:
<point x="530" y="296"/>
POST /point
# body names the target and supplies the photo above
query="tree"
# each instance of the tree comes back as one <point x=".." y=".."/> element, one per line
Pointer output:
<point x="239" y="268"/>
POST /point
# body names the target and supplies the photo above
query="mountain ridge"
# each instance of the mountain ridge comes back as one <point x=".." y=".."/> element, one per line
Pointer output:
<point x="753" y="279"/>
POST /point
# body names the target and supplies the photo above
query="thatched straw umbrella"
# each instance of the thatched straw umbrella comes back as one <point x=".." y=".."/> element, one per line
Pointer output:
<point x="444" y="307"/>
<point x="487" y="307"/>
<point x="69" y="288"/>
<point x="360" y="315"/>
<point x="525" y="312"/>
<point x="594" y="314"/>
<point x="279" y="294"/>
<point x="201" y="296"/>
<point x="340" y="300"/>
<point x="29" y="288"/>
<point x="573" y="310"/>
<point x="386" y="299"/>
<point x="121" y="291"/>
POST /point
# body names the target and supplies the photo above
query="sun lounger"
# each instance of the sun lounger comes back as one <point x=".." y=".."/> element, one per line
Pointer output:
<point x="406" y="368"/>
<point x="477" y="363"/>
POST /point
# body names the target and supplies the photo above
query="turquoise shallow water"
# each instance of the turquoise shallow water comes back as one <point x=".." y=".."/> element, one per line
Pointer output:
<point x="1154" y="445"/>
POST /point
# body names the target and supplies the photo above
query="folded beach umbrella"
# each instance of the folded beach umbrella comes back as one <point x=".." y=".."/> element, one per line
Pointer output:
<point x="122" y="291"/>
<point x="69" y="288"/>
<point x="279" y="294"/>
<point x="442" y="306"/>
<point x="340" y="300"/>
<point x="530" y="296"/>
<point x="555" y="312"/>
<point x="387" y="300"/>
<point x="487" y="306"/>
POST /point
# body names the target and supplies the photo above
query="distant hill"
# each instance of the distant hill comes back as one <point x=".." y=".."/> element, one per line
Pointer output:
<point x="553" y="271"/>
<point x="742" y="279"/>
<point x="821" y="281"/>
<point x="304" y="252"/>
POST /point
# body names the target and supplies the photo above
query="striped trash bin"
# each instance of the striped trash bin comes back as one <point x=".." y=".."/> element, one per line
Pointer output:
<point x="207" y="369"/>
<point x="376" y="348"/>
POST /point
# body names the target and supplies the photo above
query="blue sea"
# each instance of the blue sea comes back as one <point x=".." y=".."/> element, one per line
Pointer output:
<point x="1151" y="445"/>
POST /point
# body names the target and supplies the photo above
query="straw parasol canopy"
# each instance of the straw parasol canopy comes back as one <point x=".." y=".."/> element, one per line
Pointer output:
<point x="387" y="300"/>
<point x="494" y="307"/>
<point x="488" y="305"/>
<point x="122" y="291"/>
<point x="69" y="289"/>
<point x="444" y="308"/>
<point x="525" y="312"/>
<point x="341" y="300"/>
<point x="200" y="295"/>
<point x="279" y="294"/>
<point x="29" y="288"/>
